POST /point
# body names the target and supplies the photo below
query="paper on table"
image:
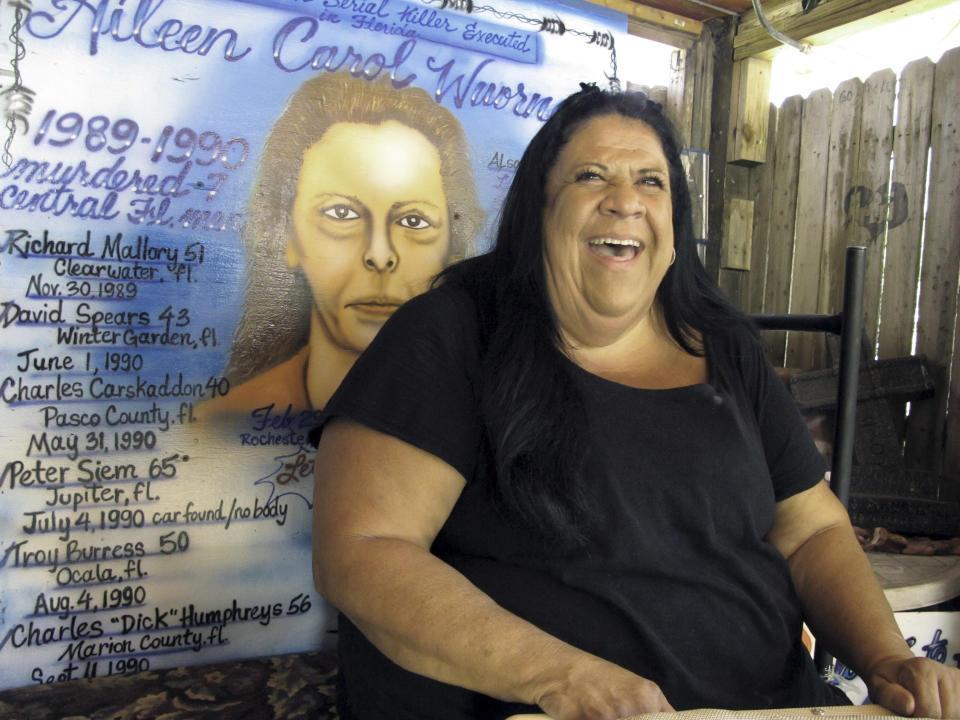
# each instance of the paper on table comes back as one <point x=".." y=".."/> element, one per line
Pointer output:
<point x="861" y="712"/>
<point x="810" y="713"/>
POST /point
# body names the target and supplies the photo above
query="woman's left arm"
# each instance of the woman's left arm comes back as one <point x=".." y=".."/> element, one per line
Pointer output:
<point x="847" y="611"/>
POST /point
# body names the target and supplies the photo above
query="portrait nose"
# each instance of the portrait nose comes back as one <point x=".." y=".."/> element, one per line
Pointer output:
<point x="380" y="255"/>
<point x="622" y="199"/>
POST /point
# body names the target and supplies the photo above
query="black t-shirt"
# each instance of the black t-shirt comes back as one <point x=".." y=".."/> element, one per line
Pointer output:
<point x="681" y="585"/>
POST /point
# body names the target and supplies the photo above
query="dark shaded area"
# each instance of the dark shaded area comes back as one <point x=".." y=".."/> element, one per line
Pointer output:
<point x="285" y="687"/>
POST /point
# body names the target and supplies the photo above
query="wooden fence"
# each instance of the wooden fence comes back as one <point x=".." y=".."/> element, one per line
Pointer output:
<point x="877" y="164"/>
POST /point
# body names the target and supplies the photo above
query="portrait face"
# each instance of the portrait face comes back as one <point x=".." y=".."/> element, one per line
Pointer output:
<point x="608" y="224"/>
<point x="371" y="225"/>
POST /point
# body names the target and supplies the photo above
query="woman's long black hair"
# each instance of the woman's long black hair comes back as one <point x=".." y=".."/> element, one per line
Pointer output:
<point x="532" y="411"/>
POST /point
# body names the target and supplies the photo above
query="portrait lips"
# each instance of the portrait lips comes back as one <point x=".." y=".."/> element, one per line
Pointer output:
<point x="377" y="307"/>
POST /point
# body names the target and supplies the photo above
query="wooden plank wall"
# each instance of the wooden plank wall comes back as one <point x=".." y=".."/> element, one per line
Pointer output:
<point x="874" y="163"/>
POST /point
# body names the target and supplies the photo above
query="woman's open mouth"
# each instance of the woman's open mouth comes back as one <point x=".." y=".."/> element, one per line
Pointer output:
<point x="620" y="248"/>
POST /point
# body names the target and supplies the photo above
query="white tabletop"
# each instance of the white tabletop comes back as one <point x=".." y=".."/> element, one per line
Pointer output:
<point x="911" y="582"/>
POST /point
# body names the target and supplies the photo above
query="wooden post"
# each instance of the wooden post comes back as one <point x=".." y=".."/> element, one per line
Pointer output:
<point x="749" y="111"/>
<point x="722" y="31"/>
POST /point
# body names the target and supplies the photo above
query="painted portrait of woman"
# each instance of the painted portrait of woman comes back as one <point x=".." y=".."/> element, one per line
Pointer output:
<point x="363" y="194"/>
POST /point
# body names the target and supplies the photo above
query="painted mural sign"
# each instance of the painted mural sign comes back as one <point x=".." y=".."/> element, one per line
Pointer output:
<point x="931" y="634"/>
<point x="208" y="210"/>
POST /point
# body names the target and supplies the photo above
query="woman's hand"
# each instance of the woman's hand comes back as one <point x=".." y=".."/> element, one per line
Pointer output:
<point x="599" y="690"/>
<point x="916" y="686"/>
<point x="847" y="611"/>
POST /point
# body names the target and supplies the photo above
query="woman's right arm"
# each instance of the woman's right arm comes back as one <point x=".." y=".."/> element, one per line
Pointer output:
<point x="378" y="505"/>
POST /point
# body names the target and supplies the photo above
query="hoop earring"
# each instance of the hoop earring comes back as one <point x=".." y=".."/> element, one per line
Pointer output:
<point x="674" y="256"/>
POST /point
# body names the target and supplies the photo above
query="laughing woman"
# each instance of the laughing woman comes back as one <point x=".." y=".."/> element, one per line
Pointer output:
<point x="567" y="477"/>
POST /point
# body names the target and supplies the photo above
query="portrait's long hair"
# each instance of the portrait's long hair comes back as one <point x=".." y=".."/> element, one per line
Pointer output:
<point x="532" y="411"/>
<point x="275" y="323"/>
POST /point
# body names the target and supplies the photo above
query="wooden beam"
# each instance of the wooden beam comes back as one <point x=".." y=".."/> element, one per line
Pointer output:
<point x="661" y="34"/>
<point x="822" y="24"/>
<point x="654" y="24"/>
<point x="878" y="19"/>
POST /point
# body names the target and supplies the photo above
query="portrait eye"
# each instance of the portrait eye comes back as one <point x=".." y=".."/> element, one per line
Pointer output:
<point x="414" y="222"/>
<point x="653" y="181"/>
<point x="340" y="212"/>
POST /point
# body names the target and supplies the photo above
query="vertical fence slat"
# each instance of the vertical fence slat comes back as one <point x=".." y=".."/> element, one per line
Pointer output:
<point x="761" y="178"/>
<point x="868" y="198"/>
<point x="844" y="150"/>
<point x="783" y="217"/>
<point x="905" y="209"/>
<point x="951" y="456"/>
<point x="937" y="305"/>
<point x="804" y="350"/>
